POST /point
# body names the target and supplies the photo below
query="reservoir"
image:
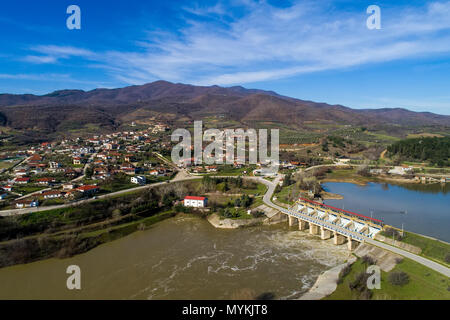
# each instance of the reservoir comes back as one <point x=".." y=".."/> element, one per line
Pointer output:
<point x="421" y="208"/>
<point x="184" y="258"/>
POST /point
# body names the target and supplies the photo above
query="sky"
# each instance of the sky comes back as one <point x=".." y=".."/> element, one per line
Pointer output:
<point x="313" y="50"/>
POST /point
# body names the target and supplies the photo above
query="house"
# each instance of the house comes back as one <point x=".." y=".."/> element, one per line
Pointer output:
<point x="88" y="189"/>
<point x="23" y="180"/>
<point x="198" y="170"/>
<point x="76" y="160"/>
<point x="52" y="194"/>
<point x="196" y="202"/>
<point x="401" y="170"/>
<point x="68" y="186"/>
<point x="211" y="168"/>
<point x="7" y="188"/>
<point x="21" y="172"/>
<point x="154" y="173"/>
<point x="35" y="158"/>
<point x="111" y="146"/>
<point x="46" y="181"/>
<point x="54" y="165"/>
<point x="128" y="170"/>
<point x="138" y="180"/>
<point x="27" y="204"/>
<point x="129" y="158"/>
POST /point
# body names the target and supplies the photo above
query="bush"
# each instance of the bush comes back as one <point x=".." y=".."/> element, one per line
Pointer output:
<point x="364" y="171"/>
<point x="344" y="272"/>
<point x="447" y="257"/>
<point x="257" y="214"/>
<point x="392" y="233"/>
<point x="398" y="278"/>
<point x="368" y="260"/>
<point x="366" y="294"/>
<point x="360" y="282"/>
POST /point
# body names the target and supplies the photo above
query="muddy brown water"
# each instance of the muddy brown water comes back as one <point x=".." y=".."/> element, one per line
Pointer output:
<point x="184" y="258"/>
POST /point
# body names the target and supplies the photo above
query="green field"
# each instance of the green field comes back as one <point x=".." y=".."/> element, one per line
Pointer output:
<point x="424" y="284"/>
<point x="431" y="248"/>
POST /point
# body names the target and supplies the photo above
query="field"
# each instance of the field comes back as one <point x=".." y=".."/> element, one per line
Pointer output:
<point x="431" y="248"/>
<point x="424" y="284"/>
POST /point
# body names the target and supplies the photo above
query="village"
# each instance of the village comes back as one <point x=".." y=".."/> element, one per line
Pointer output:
<point x="72" y="169"/>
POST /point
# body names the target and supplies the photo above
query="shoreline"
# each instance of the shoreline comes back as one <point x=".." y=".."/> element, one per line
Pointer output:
<point x="326" y="283"/>
<point x="227" y="223"/>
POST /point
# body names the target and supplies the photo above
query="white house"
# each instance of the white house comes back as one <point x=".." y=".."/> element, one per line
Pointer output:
<point x="196" y="202"/>
<point x="138" y="180"/>
<point x="26" y="204"/>
<point x="52" y="194"/>
<point x="401" y="170"/>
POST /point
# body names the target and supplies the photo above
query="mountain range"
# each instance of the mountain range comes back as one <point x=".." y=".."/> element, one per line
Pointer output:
<point x="64" y="110"/>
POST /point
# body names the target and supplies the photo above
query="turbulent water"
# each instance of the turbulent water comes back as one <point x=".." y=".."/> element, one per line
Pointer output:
<point x="184" y="258"/>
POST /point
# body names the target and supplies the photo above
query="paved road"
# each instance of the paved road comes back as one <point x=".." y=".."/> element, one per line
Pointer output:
<point x="12" y="212"/>
<point x="424" y="261"/>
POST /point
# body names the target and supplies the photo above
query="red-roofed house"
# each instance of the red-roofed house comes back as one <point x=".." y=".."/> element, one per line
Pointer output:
<point x="23" y="180"/>
<point x="196" y="202"/>
<point x="87" y="189"/>
<point x="45" y="181"/>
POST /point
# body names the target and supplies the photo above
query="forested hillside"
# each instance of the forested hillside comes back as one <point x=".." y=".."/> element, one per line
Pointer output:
<point x="434" y="150"/>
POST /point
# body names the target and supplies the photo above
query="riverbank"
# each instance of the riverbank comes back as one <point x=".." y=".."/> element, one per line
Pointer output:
<point x="70" y="243"/>
<point x="217" y="222"/>
<point x="326" y="283"/>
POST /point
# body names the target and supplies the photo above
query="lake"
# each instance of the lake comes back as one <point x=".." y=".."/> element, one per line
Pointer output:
<point x="421" y="208"/>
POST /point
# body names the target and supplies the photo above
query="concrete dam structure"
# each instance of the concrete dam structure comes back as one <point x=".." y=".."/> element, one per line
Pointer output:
<point x="326" y="221"/>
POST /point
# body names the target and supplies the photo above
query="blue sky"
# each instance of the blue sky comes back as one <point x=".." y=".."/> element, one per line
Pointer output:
<point x="313" y="50"/>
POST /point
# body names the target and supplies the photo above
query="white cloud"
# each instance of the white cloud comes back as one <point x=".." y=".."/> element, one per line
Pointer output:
<point x="53" y="53"/>
<point x="269" y="43"/>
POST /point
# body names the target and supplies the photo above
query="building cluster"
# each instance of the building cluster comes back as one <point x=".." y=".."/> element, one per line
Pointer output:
<point x="79" y="167"/>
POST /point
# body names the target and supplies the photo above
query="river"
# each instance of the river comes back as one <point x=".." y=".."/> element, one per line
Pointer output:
<point x="184" y="258"/>
<point x="421" y="208"/>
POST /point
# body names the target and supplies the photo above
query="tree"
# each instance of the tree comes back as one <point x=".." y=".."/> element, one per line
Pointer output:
<point x="364" y="171"/>
<point x="398" y="278"/>
<point x="89" y="172"/>
<point x="287" y="180"/>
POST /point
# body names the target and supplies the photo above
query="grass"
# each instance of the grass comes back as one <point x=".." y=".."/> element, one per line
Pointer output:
<point x="424" y="284"/>
<point x="348" y="175"/>
<point x="431" y="248"/>
<point x="260" y="190"/>
<point x="283" y="195"/>
<point x="7" y="164"/>
<point x="124" y="229"/>
<point x="231" y="171"/>
<point x="23" y="189"/>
